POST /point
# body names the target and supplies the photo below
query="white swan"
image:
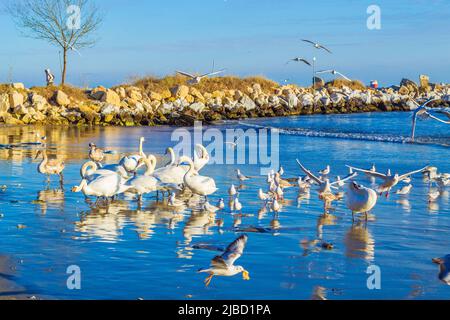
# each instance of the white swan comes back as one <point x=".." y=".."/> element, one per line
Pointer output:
<point x="106" y="186"/>
<point x="145" y="183"/>
<point x="172" y="173"/>
<point x="201" y="185"/>
<point x="360" y="199"/>
<point x="90" y="171"/>
<point x="131" y="162"/>
<point x="203" y="159"/>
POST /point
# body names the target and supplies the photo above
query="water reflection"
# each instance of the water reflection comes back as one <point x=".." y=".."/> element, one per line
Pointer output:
<point x="50" y="199"/>
<point x="172" y="231"/>
<point x="107" y="222"/>
<point x="19" y="143"/>
<point x="359" y="243"/>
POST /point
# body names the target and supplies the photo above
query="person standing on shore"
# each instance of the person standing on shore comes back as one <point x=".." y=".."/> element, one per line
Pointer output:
<point x="49" y="77"/>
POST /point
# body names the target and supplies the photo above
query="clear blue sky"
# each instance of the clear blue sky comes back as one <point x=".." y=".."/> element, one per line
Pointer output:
<point x="247" y="37"/>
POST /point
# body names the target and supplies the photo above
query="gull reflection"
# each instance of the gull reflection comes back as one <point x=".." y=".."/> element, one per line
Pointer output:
<point x="359" y="243"/>
<point x="303" y="198"/>
<point x="325" y="219"/>
<point x="404" y="204"/>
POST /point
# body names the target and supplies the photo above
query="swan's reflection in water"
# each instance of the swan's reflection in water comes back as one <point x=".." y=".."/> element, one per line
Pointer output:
<point x="198" y="224"/>
<point x="319" y="293"/>
<point x="103" y="223"/>
<point x="359" y="243"/>
<point x="107" y="223"/>
<point x="51" y="199"/>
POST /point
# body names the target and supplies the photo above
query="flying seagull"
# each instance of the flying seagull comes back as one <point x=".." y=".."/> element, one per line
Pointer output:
<point x="333" y="72"/>
<point x="197" y="79"/>
<point x="223" y="265"/>
<point x="424" y="112"/>
<point x="317" y="45"/>
<point x="388" y="181"/>
<point x="300" y="60"/>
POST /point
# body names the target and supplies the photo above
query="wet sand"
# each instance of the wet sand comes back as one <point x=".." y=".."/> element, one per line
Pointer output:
<point x="9" y="289"/>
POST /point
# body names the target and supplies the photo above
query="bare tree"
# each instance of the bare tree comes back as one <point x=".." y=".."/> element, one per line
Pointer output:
<point x="68" y="24"/>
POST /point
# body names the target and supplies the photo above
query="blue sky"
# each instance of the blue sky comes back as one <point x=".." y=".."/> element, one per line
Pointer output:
<point x="247" y="37"/>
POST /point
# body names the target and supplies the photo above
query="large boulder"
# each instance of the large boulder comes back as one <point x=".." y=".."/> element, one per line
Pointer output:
<point x="38" y="102"/>
<point x="4" y="103"/>
<point x="257" y="88"/>
<point x="307" y="100"/>
<point x="197" y="107"/>
<point x="135" y="94"/>
<point x="15" y="99"/>
<point x="318" y="82"/>
<point x="106" y="95"/>
<point x="248" y="103"/>
<point x="196" y="94"/>
<point x="410" y="85"/>
<point x="61" y="98"/>
<point x="18" y="86"/>
<point x="154" y="96"/>
<point x="180" y="92"/>
<point x="292" y="100"/>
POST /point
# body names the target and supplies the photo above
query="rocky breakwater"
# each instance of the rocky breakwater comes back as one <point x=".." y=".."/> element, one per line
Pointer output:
<point x="132" y="105"/>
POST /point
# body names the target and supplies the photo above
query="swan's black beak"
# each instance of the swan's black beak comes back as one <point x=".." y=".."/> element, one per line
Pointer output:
<point x="355" y="185"/>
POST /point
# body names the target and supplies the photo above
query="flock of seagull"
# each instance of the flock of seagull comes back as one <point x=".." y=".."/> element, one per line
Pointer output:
<point x="318" y="46"/>
<point x="180" y="182"/>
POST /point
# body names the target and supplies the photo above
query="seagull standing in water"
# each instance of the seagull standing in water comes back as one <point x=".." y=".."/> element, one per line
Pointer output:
<point x="241" y="176"/>
<point x="196" y="79"/>
<point x="223" y="265"/>
<point x="317" y="45"/>
<point x="360" y="199"/>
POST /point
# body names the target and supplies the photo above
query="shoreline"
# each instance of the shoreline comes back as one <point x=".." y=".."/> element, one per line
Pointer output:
<point x="10" y="289"/>
<point x="150" y="102"/>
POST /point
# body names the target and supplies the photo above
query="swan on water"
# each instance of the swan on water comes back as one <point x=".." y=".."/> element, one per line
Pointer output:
<point x="200" y="185"/>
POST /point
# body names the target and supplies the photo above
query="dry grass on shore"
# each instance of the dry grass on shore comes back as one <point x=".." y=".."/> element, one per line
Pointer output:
<point x="48" y="92"/>
<point x="206" y="85"/>
<point x="77" y="94"/>
<point x="339" y="83"/>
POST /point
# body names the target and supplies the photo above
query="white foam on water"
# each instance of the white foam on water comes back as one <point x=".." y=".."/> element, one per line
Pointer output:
<point x="350" y="135"/>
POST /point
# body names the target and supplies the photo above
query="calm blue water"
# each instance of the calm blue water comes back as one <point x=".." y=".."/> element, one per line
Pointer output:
<point x="129" y="253"/>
